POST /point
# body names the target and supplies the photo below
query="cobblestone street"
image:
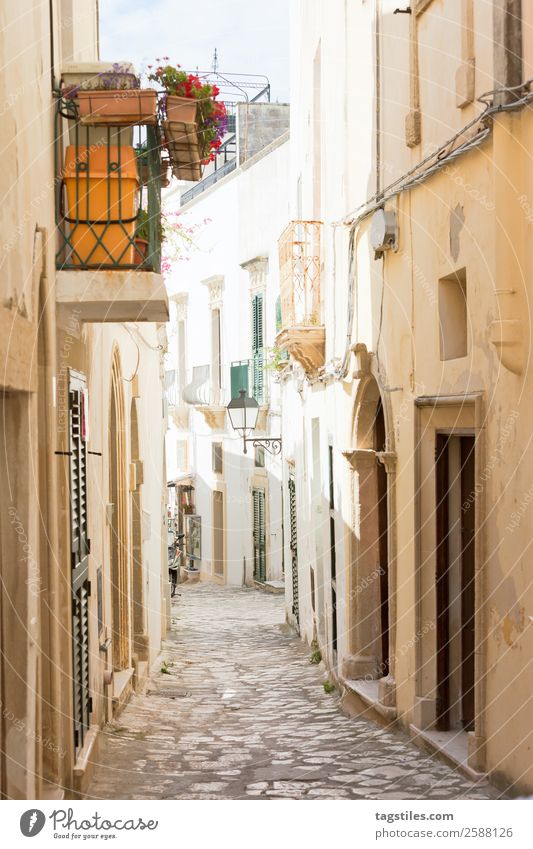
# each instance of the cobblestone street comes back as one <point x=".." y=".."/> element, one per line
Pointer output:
<point x="242" y="713"/>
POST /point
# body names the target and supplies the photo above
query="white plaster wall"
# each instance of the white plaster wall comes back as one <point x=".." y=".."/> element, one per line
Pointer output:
<point x="239" y="219"/>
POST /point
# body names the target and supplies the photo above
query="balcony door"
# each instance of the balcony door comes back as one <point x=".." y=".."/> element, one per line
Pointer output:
<point x="218" y="533"/>
<point x="259" y="535"/>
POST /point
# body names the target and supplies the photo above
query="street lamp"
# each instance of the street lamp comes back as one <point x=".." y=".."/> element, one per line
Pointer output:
<point x="243" y="412"/>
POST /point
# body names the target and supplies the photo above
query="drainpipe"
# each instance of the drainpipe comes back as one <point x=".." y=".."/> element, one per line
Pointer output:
<point x="378" y="96"/>
<point x="507" y="46"/>
<point x="54" y="571"/>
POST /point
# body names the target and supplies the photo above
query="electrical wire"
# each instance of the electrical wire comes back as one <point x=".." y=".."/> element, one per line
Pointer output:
<point x="443" y="156"/>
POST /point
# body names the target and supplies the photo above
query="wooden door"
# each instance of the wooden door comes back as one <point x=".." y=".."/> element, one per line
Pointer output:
<point x="468" y="640"/>
<point x="442" y="583"/>
<point x="218" y="533"/>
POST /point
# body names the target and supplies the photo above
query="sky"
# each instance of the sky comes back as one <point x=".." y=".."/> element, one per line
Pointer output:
<point x="251" y="36"/>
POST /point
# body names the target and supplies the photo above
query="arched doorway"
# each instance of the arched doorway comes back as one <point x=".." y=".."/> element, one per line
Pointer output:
<point x="371" y="462"/>
<point x="138" y="613"/>
<point x="120" y="590"/>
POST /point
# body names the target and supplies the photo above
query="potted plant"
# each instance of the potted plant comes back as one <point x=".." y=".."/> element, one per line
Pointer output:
<point x="114" y="98"/>
<point x="142" y="235"/>
<point x="194" y="121"/>
<point x="141" y="152"/>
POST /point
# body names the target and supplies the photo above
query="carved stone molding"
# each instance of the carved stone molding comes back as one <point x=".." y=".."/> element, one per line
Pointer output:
<point x="363" y="359"/>
<point x="215" y="417"/>
<point x="307" y="344"/>
<point x="215" y="286"/>
<point x="257" y="268"/>
<point x="180" y="417"/>
<point x="507" y="336"/>
<point x="360" y="458"/>
<point x="181" y="299"/>
<point x="388" y="459"/>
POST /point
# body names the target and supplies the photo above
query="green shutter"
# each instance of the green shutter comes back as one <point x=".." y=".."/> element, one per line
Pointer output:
<point x="257" y="348"/>
<point x="279" y="317"/>
<point x="259" y="535"/>
<point x="239" y="378"/>
<point x="293" y="545"/>
<point x="80" y="585"/>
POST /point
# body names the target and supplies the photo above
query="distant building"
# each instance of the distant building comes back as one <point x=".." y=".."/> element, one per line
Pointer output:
<point x="224" y="318"/>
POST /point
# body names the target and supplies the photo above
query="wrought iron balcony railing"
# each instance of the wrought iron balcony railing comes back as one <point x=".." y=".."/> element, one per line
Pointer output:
<point x="250" y="375"/>
<point x="299" y="263"/>
<point x="108" y="194"/>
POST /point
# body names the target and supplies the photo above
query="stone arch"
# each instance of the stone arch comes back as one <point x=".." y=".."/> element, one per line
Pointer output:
<point x="120" y="551"/>
<point x="372" y="460"/>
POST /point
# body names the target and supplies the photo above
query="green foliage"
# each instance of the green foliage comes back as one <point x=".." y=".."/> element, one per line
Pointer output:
<point x="316" y="657"/>
<point x="165" y="667"/>
<point x="329" y="687"/>
<point x="276" y="358"/>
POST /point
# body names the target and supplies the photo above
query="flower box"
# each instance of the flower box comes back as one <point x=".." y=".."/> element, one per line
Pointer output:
<point x="184" y="150"/>
<point x="181" y="109"/>
<point x="118" y="107"/>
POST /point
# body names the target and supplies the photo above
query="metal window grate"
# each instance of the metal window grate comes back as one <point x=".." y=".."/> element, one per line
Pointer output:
<point x="299" y="264"/>
<point x="108" y="194"/>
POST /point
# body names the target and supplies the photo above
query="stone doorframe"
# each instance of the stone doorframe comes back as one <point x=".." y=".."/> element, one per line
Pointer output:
<point x="363" y="593"/>
<point x="457" y="415"/>
<point x="138" y="606"/>
<point x="120" y="572"/>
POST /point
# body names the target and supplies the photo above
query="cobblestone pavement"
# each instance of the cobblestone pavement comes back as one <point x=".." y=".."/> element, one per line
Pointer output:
<point x="242" y="713"/>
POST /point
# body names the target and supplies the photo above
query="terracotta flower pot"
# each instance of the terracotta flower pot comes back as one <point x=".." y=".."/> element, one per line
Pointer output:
<point x="181" y="109"/>
<point x="118" y="108"/>
<point x="141" y="250"/>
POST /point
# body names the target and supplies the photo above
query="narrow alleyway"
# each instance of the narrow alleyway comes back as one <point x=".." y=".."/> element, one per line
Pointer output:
<point x="242" y="713"/>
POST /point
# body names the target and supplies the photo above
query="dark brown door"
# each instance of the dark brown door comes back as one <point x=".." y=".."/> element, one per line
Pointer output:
<point x="442" y="583"/>
<point x="448" y="696"/>
<point x="468" y="640"/>
<point x="383" y="540"/>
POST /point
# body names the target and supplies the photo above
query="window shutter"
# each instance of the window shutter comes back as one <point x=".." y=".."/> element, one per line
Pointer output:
<point x="80" y="584"/>
<point x="239" y="378"/>
<point x="293" y="545"/>
<point x="257" y="348"/>
<point x="259" y="535"/>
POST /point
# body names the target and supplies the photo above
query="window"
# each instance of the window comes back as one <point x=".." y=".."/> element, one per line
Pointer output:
<point x="453" y="328"/>
<point x="182" y="359"/>
<point x="257" y="348"/>
<point x="216" y="355"/>
<point x="259" y="460"/>
<point x="217" y="459"/>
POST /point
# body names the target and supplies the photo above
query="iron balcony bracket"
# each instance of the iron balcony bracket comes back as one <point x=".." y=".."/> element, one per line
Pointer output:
<point x="273" y="446"/>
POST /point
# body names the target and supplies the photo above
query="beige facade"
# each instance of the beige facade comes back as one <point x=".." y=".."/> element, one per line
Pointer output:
<point x="82" y="501"/>
<point x="410" y="473"/>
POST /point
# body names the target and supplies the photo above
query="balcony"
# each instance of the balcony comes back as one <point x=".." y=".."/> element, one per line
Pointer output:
<point x="206" y="396"/>
<point x="108" y="209"/>
<point x="250" y="375"/>
<point x="302" y="332"/>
